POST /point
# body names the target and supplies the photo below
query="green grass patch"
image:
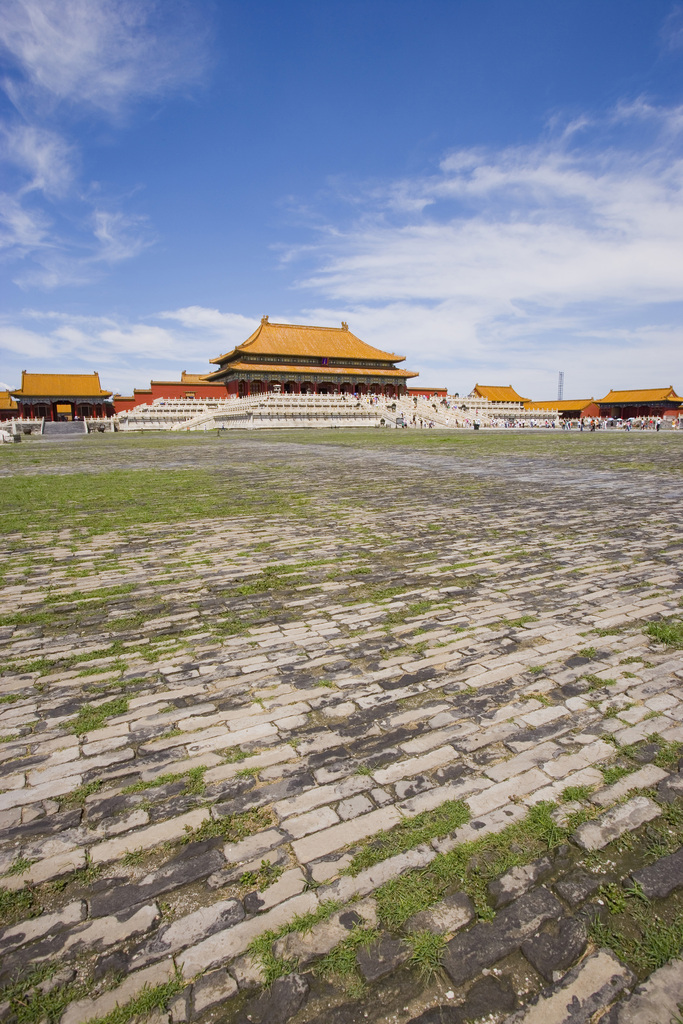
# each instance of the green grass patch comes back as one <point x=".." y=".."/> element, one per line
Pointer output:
<point x="232" y="827"/>
<point x="341" y="963"/>
<point x="78" y="797"/>
<point x="611" y="773"/>
<point x="427" y="953"/>
<point x="261" y="948"/>
<point x="30" y="1004"/>
<point x="11" y="698"/>
<point x="100" y="502"/>
<point x="18" y="905"/>
<point x="411" y="833"/>
<point x="571" y="793"/>
<point x="668" y="631"/>
<point x="596" y="683"/>
<point x="19" y="865"/>
<point x="669" y="753"/>
<point x="471" y="866"/>
<point x="642" y="939"/>
<point x="92" y="717"/>
<point x="194" y="783"/>
<point x="266" y="875"/>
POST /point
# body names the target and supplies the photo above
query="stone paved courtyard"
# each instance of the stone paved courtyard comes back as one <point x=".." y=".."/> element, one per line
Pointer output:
<point x="345" y="727"/>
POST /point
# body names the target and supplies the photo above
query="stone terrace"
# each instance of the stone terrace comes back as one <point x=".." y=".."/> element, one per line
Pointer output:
<point x="245" y="748"/>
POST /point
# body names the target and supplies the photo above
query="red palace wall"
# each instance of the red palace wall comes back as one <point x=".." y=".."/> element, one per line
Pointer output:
<point x="161" y="389"/>
<point x="427" y="392"/>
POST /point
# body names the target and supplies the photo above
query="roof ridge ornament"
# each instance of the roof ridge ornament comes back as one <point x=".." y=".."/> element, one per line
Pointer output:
<point x="345" y="326"/>
<point x="264" y="318"/>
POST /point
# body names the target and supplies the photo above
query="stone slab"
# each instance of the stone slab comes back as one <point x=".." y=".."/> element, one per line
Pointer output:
<point x="487" y="942"/>
<point x="584" y="992"/>
<point x="658" y="999"/>
<point x="597" y="834"/>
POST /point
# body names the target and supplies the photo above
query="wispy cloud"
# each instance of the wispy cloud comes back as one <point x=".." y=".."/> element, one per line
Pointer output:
<point x="128" y="354"/>
<point x="65" y="58"/>
<point x="99" y="53"/>
<point x="520" y="260"/>
<point x="671" y="34"/>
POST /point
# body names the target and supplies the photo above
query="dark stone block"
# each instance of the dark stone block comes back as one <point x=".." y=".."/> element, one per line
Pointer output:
<point x="381" y="957"/>
<point x="110" y="807"/>
<point x="439" y="1015"/>
<point x="292" y="786"/>
<point x="417" y="677"/>
<point x="115" y="963"/>
<point x="21" y="764"/>
<point x="670" y="789"/>
<point x="577" y="887"/>
<point x="557" y="948"/>
<point x="576" y="661"/>
<point x="663" y="877"/>
<point x="323" y="757"/>
<point x="170" y="808"/>
<point x="451" y="772"/>
<point x="195" y="861"/>
<point x="278" y="1003"/>
<point x="646" y="753"/>
<point x="45" y="826"/>
<point x="488" y="942"/>
<point x="488" y="996"/>
<point x="377" y="744"/>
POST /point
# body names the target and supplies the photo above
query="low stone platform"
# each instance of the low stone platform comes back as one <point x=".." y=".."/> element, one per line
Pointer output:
<point x="385" y="735"/>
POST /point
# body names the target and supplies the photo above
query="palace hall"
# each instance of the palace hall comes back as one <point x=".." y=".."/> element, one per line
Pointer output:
<point x="309" y="360"/>
<point x="62" y="396"/>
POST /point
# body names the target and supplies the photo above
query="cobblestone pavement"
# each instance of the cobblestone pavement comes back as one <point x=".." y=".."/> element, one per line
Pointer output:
<point x="342" y="729"/>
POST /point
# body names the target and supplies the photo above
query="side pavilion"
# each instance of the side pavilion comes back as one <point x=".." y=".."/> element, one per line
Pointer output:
<point x="300" y="360"/>
<point x="645" y="404"/>
<point x="62" y="396"/>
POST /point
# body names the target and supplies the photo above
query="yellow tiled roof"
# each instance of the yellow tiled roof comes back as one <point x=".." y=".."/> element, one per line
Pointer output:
<point x="498" y="394"/>
<point x="300" y="340"/>
<point x="55" y="385"/>
<point x="6" y="401"/>
<point x="192" y="378"/>
<point x="351" y="371"/>
<point x="645" y="396"/>
<point x="564" y="405"/>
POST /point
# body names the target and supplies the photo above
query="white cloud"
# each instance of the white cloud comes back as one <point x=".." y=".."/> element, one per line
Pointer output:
<point x="671" y="34"/>
<point x="127" y="354"/>
<point x="44" y="157"/>
<point x="63" y="58"/>
<point x="523" y="261"/>
<point x="213" y="321"/>
<point x="99" y="53"/>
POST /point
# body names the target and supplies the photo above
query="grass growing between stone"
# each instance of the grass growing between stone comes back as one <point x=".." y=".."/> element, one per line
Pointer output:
<point x="668" y="631"/>
<point x="639" y="936"/>
<point x="99" y="502"/>
<point x="471" y="866"/>
<point x="233" y="827"/>
<point x="194" y="782"/>
<point x="18" y="905"/>
<point x="427" y="952"/>
<point x="411" y="833"/>
<point x="261" y="948"/>
<point x="92" y="717"/>
<point x="340" y="962"/>
<point x="34" y="999"/>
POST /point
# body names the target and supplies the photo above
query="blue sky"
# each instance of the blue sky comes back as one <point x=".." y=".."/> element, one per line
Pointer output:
<point x="493" y="188"/>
